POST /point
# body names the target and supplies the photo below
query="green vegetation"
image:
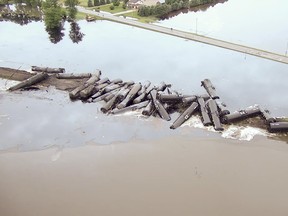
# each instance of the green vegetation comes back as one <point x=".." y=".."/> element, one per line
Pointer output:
<point x="146" y="19"/>
<point x="116" y="3"/>
<point x="53" y="14"/>
<point x="3" y="2"/>
<point x="111" y="6"/>
<point x="161" y="10"/>
<point x="80" y="16"/>
<point x="82" y="3"/>
<point x="71" y="8"/>
<point x="53" y="17"/>
<point x="90" y="4"/>
<point x="107" y="8"/>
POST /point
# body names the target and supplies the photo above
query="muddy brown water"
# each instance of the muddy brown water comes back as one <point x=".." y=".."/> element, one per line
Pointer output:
<point x="175" y="176"/>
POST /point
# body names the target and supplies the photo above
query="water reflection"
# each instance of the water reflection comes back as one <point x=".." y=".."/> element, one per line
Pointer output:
<point x="20" y="13"/>
<point x="193" y="9"/>
<point x="257" y="23"/>
<point x="23" y="14"/>
<point x="55" y="34"/>
<point x="142" y="55"/>
<point x="75" y="34"/>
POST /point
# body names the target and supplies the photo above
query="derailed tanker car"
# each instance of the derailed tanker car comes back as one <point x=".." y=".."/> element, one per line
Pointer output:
<point x="156" y="100"/>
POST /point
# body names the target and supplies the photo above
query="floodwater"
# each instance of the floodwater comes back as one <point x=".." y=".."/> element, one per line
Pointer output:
<point x="42" y="119"/>
<point x="135" y="54"/>
<point x="166" y="177"/>
<point x="130" y="53"/>
<point x="130" y="165"/>
<point x="259" y="23"/>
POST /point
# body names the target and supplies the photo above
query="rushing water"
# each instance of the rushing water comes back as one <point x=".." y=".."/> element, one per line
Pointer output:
<point x="135" y="54"/>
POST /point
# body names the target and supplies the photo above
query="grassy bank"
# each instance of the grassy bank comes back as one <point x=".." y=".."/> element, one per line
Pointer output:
<point x="135" y="15"/>
<point x="80" y="16"/>
<point x="83" y="3"/>
<point x="106" y="7"/>
<point x="117" y="9"/>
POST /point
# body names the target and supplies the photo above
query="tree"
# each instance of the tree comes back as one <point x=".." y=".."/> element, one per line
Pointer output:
<point x="18" y="1"/>
<point x="170" y="2"/>
<point x="53" y="14"/>
<point x="50" y="4"/>
<point x="89" y="4"/>
<point x="53" y="17"/>
<point x="124" y="6"/>
<point x="146" y="11"/>
<point x="4" y="2"/>
<point x="108" y="2"/>
<point x="96" y="3"/>
<point x="162" y="9"/>
<point x="102" y="2"/>
<point x="72" y="11"/>
<point x="71" y="3"/>
<point x="141" y="11"/>
<point x="71" y="8"/>
<point x="116" y="3"/>
<point x="112" y="7"/>
<point x="32" y="3"/>
<point x="175" y="6"/>
<point x="194" y="3"/>
<point x="185" y="4"/>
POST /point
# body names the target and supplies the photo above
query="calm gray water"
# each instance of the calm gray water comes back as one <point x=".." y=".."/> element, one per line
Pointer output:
<point x="137" y="54"/>
<point x="257" y="23"/>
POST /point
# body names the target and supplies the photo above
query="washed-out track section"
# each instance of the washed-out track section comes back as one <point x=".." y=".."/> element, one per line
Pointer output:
<point x="118" y="96"/>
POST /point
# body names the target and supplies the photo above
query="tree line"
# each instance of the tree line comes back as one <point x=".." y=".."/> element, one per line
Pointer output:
<point x="115" y="3"/>
<point x="92" y="3"/>
<point x="161" y="10"/>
